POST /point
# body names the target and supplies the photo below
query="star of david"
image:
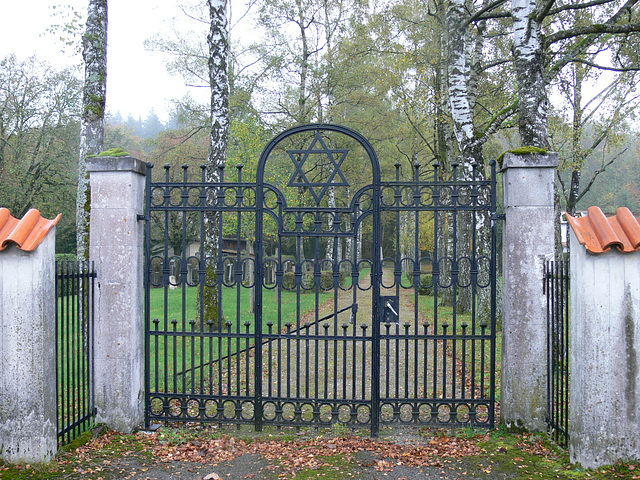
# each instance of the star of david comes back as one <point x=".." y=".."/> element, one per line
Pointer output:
<point x="336" y="157"/>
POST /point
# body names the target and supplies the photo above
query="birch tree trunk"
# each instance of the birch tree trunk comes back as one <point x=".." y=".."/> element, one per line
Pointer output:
<point x="528" y="52"/>
<point x="94" y="53"/>
<point x="219" y="81"/>
<point x="462" y="98"/>
<point x="444" y="131"/>
<point x="331" y="203"/>
<point x="445" y="149"/>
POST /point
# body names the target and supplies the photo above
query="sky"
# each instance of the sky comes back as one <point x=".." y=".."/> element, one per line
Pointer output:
<point x="137" y="80"/>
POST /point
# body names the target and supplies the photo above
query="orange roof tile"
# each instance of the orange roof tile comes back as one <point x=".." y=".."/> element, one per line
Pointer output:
<point x="599" y="233"/>
<point x="27" y="233"/>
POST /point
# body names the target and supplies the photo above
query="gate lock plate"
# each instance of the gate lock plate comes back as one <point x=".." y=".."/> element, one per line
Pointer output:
<point x="390" y="308"/>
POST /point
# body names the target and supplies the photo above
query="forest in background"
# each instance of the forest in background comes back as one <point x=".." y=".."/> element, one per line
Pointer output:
<point x="380" y="69"/>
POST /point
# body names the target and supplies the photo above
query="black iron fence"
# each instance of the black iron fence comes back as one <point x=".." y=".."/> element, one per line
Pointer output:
<point x="556" y="288"/>
<point x="318" y="289"/>
<point x="74" y="348"/>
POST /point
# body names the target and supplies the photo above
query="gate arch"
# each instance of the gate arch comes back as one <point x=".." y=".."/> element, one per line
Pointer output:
<point x="313" y="216"/>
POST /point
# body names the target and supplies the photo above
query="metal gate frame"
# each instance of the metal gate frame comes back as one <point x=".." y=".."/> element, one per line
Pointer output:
<point x="462" y="396"/>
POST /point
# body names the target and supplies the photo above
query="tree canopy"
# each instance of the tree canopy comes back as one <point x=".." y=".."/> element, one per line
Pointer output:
<point x="424" y="80"/>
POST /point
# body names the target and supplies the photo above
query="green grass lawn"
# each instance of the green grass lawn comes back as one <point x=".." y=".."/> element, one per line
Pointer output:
<point x="184" y="353"/>
<point x="178" y="301"/>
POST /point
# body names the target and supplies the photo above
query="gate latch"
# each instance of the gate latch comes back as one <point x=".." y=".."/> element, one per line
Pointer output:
<point x="390" y="306"/>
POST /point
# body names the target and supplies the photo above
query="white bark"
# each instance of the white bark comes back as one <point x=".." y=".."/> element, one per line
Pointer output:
<point x="219" y="82"/>
<point x="464" y="53"/>
<point x="528" y="54"/>
<point x="93" y="105"/>
<point x="459" y="75"/>
<point x="463" y="83"/>
<point x="331" y="200"/>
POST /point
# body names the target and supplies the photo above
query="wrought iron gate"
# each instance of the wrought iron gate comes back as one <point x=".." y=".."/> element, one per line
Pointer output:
<point x="75" y="294"/>
<point x="316" y="292"/>
<point x="556" y="288"/>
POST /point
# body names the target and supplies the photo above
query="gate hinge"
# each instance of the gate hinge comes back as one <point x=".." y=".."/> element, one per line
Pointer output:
<point x="141" y="216"/>
<point x="498" y="216"/>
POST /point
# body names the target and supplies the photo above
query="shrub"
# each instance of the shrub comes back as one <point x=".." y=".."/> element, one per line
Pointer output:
<point x="66" y="257"/>
<point x="426" y="285"/>
<point x="326" y="280"/>
<point x="343" y="277"/>
<point x="307" y="281"/>
<point x="289" y="281"/>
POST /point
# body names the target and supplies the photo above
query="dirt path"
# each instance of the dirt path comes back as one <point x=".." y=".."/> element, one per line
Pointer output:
<point x="331" y="359"/>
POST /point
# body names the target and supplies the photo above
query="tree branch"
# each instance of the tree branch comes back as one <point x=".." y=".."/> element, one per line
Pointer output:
<point x="543" y="10"/>
<point x="598" y="172"/>
<point x="585" y="43"/>
<point x="480" y="13"/>
<point x="496" y="63"/>
<point x="578" y="6"/>
<point x="597" y="29"/>
<point x="562" y="185"/>
<point x="415" y="128"/>
<point x="498" y="119"/>
<point x="493" y="16"/>
<point x="602" y="67"/>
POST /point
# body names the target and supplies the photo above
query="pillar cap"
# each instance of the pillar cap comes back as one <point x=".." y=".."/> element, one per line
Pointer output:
<point x="125" y="163"/>
<point x="529" y="160"/>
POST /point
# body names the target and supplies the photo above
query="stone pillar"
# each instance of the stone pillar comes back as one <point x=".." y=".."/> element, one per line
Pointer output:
<point x="116" y="247"/>
<point x="528" y="239"/>
<point x="28" y="407"/>
<point x="605" y="343"/>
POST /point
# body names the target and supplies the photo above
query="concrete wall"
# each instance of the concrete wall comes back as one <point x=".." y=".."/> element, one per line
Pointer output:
<point x="28" y="407"/>
<point x="605" y="338"/>
<point x="528" y="239"/>
<point x="116" y="246"/>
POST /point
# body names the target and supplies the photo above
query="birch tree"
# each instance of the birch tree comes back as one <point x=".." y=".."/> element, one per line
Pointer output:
<point x="466" y="49"/>
<point x="528" y="51"/>
<point x="540" y="58"/>
<point x="538" y="63"/>
<point x="218" y="43"/>
<point x="94" y="53"/>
